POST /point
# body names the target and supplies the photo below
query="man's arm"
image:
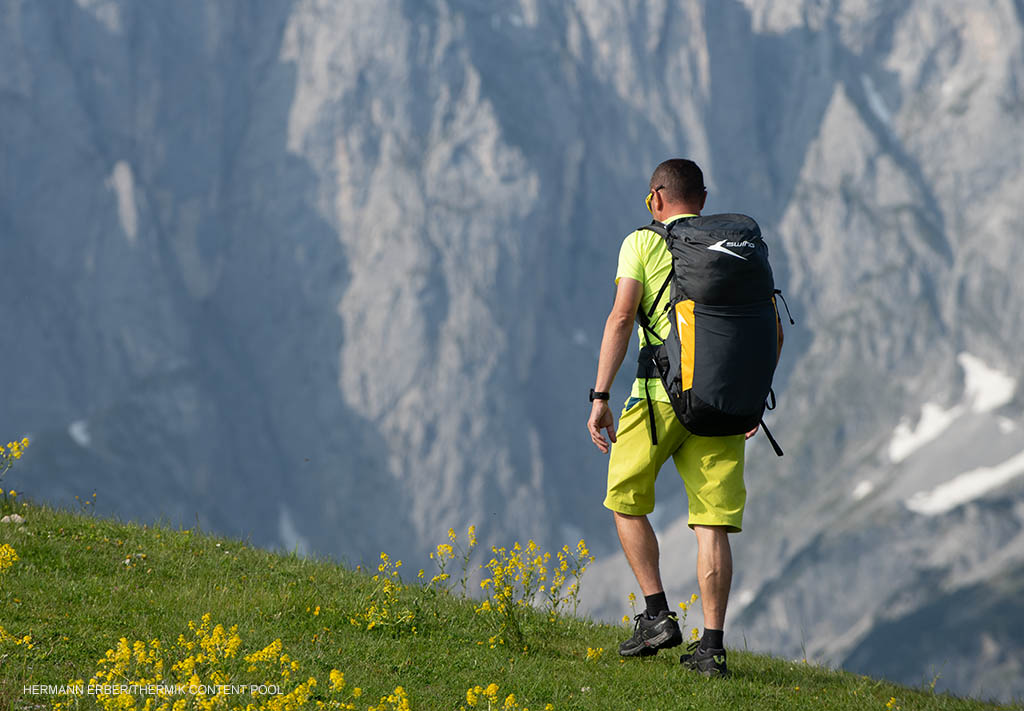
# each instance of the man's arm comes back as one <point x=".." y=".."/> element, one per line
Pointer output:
<point x="614" y="344"/>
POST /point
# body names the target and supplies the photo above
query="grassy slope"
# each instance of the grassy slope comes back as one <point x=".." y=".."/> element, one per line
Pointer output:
<point x="72" y="591"/>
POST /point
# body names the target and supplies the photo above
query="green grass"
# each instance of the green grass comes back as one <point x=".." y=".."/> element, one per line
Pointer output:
<point x="71" y="590"/>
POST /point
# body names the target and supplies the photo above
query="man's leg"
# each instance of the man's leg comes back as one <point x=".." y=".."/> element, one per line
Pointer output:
<point x="657" y="627"/>
<point x="641" y="548"/>
<point x="714" y="573"/>
<point x="712" y="469"/>
<point x="632" y="468"/>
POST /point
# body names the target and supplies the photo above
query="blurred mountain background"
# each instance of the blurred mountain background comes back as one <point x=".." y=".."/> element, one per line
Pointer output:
<point x="333" y="277"/>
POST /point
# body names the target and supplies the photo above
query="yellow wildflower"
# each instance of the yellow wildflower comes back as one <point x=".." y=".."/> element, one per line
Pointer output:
<point x="268" y="653"/>
<point x="8" y="556"/>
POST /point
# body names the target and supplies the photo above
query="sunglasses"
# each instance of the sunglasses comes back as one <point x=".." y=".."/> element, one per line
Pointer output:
<point x="650" y="196"/>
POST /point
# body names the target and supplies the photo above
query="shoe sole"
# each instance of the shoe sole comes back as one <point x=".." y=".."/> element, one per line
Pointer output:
<point x="713" y="674"/>
<point x="638" y="652"/>
<point x="706" y="673"/>
<point x="663" y="640"/>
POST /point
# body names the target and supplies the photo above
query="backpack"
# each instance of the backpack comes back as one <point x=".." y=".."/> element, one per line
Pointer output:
<point x="719" y="357"/>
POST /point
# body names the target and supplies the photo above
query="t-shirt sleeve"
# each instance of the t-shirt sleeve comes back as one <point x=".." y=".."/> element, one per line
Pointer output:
<point x="630" y="264"/>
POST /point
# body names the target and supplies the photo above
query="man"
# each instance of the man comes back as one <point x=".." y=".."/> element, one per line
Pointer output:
<point x="711" y="467"/>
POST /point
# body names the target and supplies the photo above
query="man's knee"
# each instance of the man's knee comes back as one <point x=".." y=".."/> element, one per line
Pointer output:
<point x="628" y="517"/>
<point x="716" y="530"/>
<point x="712" y="538"/>
<point x="714" y="533"/>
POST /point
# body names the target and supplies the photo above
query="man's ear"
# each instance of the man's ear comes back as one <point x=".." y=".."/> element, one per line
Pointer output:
<point x="703" y="198"/>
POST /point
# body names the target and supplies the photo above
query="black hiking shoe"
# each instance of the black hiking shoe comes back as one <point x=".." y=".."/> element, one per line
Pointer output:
<point x="651" y="634"/>
<point x="709" y="662"/>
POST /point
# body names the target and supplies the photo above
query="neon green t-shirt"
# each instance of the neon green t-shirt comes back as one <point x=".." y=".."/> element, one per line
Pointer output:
<point x="643" y="256"/>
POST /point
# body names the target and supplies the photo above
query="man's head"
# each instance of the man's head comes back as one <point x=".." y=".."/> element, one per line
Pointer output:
<point x="677" y="186"/>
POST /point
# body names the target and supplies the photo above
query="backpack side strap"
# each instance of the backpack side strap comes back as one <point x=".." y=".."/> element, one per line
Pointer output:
<point x="768" y="434"/>
<point x="778" y="292"/>
<point x="650" y="413"/>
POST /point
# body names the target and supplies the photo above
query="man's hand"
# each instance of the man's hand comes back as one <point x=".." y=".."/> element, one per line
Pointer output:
<point x="753" y="431"/>
<point x="601" y="418"/>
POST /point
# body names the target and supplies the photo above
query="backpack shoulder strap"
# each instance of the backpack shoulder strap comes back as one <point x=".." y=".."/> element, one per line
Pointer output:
<point x="657" y="228"/>
<point x="665" y="232"/>
<point x="646" y="353"/>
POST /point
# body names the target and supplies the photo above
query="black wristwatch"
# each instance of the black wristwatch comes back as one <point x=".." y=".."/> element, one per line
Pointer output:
<point x="595" y="395"/>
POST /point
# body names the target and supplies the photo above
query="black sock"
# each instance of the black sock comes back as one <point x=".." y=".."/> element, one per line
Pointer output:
<point x="656" y="603"/>
<point x="712" y="639"/>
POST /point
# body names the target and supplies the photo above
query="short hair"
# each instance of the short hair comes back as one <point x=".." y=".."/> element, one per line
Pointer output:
<point x="682" y="180"/>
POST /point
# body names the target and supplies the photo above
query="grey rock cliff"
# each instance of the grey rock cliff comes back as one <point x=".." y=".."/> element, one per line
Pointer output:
<point x="333" y="276"/>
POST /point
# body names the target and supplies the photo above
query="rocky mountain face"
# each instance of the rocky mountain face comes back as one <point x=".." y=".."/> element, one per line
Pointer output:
<point x="333" y="276"/>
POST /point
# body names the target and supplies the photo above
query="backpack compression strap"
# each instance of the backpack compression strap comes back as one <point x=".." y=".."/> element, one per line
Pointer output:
<point x="768" y="434"/>
<point x="769" y="404"/>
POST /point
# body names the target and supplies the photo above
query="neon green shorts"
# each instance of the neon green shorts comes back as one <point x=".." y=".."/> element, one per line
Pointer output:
<point x="711" y="467"/>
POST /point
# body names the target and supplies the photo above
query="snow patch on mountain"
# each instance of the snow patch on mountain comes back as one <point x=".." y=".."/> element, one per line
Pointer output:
<point x="79" y="432"/>
<point x="985" y="389"/>
<point x="966" y="487"/>
<point x="106" y="11"/>
<point x="863" y="489"/>
<point x="933" y="422"/>
<point x="122" y="181"/>
<point x="291" y="539"/>
<point x="875" y="101"/>
<point x="743" y="599"/>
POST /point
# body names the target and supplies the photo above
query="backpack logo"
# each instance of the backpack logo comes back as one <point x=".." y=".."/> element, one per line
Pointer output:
<point x="723" y="246"/>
